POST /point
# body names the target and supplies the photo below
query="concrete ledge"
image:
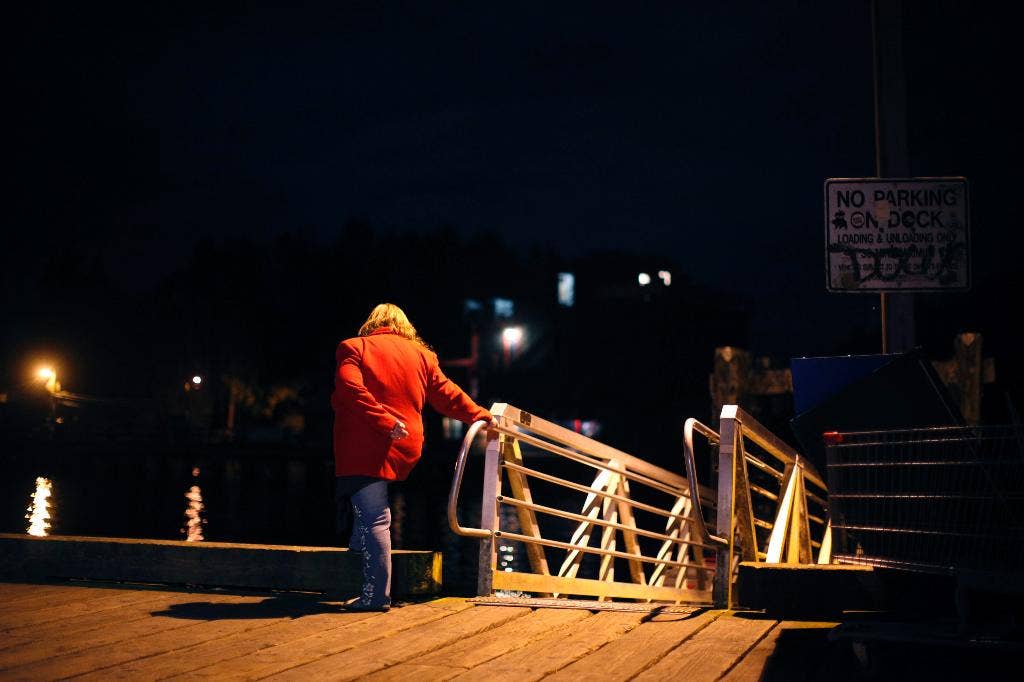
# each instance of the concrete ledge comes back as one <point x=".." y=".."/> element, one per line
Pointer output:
<point x="808" y="590"/>
<point x="215" y="564"/>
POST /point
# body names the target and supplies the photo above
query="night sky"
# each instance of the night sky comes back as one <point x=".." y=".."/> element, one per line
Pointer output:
<point x="703" y="131"/>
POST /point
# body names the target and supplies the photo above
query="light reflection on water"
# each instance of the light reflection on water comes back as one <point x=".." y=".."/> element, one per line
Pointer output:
<point x="257" y="497"/>
<point x="39" y="508"/>
<point x="510" y="556"/>
<point x="193" y="529"/>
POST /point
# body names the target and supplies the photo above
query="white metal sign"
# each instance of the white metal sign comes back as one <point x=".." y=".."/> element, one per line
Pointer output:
<point x="897" y="234"/>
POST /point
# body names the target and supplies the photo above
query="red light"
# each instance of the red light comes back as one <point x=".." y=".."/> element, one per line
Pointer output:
<point x="832" y="437"/>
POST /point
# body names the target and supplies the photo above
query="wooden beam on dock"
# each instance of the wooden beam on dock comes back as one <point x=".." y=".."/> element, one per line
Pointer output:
<point x="214" y="564"/>
<point x="808" y="590"/>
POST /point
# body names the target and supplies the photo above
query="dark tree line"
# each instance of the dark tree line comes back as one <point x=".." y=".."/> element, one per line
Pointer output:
<point x="259" y="321"/>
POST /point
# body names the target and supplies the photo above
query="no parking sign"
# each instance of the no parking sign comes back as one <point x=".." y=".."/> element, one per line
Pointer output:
<point x="897" y="234"/>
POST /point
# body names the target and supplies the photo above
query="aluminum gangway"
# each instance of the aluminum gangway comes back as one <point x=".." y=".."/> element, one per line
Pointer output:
<point x="642" y="533"/>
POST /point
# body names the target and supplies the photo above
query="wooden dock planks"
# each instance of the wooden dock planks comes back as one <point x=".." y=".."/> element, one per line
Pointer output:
<point x="321" y="642"/>
<point x="638" y="649"/>
<point x="712" y="651"/>
<point x="263" y="634"/>
<point x="141" y="633"/>
<point x="460" y="656"/>
<point x="561" y="647"/>
<point x="359" y="661"/>
<point x="119" y="639"/>
<point x="68" y="611"/>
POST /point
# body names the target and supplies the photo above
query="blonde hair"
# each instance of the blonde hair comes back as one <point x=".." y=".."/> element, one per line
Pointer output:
<point x="390" y="315"/>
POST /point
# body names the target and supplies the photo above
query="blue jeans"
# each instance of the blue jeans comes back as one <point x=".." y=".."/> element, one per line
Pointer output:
<point x="371" y="535"/>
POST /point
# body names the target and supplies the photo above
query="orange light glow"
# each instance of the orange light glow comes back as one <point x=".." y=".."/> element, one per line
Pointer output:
<point x="49" y="375"/>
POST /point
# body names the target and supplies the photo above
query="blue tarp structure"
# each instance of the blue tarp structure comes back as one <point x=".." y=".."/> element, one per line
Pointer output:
<point x="865" y="393"/>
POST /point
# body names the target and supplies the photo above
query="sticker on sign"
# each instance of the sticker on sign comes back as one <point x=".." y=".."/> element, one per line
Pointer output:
<point x="897" y="234"/>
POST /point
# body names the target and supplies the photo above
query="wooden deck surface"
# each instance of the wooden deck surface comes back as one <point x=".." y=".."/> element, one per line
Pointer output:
<point x="138" y="632"/>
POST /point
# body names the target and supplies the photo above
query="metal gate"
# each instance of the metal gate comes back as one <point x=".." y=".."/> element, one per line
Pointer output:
<point x="642" y="532"/>
<point x="634" y="517"/>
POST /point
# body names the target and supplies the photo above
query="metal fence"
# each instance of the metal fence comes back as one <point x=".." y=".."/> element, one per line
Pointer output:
<point x="936" y="500"/>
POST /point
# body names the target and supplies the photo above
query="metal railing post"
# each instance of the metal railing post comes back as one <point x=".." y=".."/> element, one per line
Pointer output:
<point x="488" y="560"/>
<point x="724" y="524"/>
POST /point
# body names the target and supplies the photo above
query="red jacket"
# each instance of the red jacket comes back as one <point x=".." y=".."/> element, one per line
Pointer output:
<point x="380" y="379"/>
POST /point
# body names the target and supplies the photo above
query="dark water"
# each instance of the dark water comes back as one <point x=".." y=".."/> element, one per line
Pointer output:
<point x="272" y="495"/>
<point x="250" y="495"/>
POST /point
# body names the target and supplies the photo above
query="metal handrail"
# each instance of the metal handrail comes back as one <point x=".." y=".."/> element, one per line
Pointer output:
<point x="689" y="427"/>
<point x="601" y="522"/>
<point x="593" y="463"/>
<point x="763" y="492"/>
<point x="763" y="466"/>
<point x="590" y="491"/>
<point x="583" y="445"/>
<point x="696" y="522"/>
<point x="820" y="501"/>
<point x="453" y="495"/>
<point x="771" y="444"/>
<point x="787" y="541"/>
<point x="519" y="537"/>
<point x="460" y="466"/>
<point x="685" y="530"/>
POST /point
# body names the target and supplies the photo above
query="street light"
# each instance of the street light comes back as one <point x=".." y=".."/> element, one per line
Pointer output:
<point x="49" y="375"/>
<point x="511" y="337"/>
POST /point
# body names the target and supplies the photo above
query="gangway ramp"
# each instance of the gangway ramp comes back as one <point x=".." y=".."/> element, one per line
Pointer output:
<point x="602" y="524"/>
<point x="633" y="517"/>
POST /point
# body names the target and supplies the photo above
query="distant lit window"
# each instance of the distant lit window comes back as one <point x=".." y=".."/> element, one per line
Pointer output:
<point x="644" y="279"/>
<point x="666" y="277"/>
<point x="566" y="289"/>
<point x="471" y="305"/>
<point x="504" y="307"/>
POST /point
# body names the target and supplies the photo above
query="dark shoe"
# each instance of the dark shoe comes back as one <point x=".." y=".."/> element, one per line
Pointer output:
<point x="363" y="607"/>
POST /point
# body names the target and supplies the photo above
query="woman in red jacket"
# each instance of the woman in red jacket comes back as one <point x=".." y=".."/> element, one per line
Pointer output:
<point x="382" y="380"/>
